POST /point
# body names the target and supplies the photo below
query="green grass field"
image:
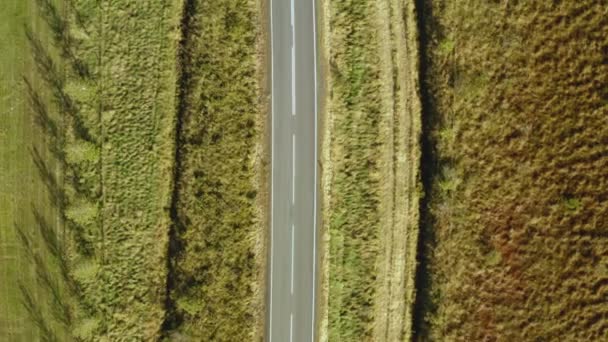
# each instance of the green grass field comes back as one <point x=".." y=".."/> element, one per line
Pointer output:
<point x="102" y="90"/>
<point x="102" y="85"/>
<point x="123" y="160"/>
<point x="25" y="205"/>
<point x="516" y="216"/>
<point x="15" y="172"/>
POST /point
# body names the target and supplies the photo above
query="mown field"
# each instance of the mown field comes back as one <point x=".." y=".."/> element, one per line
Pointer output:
<point x="516" y="115"/>
<point x="12" y="104"/>
<point x="218" y="253"/>
<point x="26" y="212"/>
<point x="370" y="169"/>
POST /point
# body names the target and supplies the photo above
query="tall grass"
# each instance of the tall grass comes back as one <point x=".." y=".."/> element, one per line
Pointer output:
<point x="107" y="280"/>
<point x="217" y="263"/>
<point x="128" y="101"/>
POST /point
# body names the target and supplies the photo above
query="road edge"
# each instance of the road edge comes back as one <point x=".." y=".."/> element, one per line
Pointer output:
<point x="264" y="165"/>
<point x="323" y="141"/>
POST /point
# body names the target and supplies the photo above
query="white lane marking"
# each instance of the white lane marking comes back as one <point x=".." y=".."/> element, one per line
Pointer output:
<point x="314" y="230"/>
<point x="293" y="233"/>
<point x="292" y="9"/>
<point x="291" y="327"/>
<point x="293" y="169"/>
<point x="271" y="172"/>
<point x="293" y="60"/>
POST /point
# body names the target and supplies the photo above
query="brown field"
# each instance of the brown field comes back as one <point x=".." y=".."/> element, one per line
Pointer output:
<point x="516" y="169"/>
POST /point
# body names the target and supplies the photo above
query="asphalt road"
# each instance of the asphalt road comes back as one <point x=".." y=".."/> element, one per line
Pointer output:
<point x="293" y="250"/>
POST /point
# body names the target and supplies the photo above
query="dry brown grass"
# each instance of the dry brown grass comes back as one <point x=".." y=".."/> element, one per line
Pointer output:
<point x="518" y="211"/>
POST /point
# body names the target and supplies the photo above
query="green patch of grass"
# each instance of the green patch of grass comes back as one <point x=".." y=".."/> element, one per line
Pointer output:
<point x="572" y="204"/>
<point x="31" y="291"/>
<point x="446" y="46"/>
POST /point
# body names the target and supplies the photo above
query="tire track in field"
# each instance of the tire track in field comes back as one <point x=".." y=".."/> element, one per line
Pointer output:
<point x="397" y="25"/>
<point x="407" y="167"/>
<point x="101" y="129"/>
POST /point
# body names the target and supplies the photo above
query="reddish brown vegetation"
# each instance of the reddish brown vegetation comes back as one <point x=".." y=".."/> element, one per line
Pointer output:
<point x="520" y="130"/>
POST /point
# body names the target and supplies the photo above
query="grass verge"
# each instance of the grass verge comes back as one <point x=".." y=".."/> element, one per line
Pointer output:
<point x="371" y="168"/>
<point x="218" y="255"/>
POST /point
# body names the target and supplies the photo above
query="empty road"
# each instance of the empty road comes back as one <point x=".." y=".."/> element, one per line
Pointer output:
<point x="293" y="246"/>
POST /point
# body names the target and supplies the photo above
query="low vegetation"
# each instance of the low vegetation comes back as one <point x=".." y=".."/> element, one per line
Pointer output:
<point x="516" y="214"/>
<point x="124" y="159"/>
<point x="31" y="291"/>
<point x="370" y="169"/>
<point x="133" y="167"/>
<point x="216" y="279"/>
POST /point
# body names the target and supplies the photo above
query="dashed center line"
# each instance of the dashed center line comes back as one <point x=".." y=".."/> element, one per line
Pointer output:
<point x="291" y="301"/>
<point x="293" y="233"/>
<point x="293" y="61"/>
<point x="293" y="169"/>
<point x="291" y="327"/>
